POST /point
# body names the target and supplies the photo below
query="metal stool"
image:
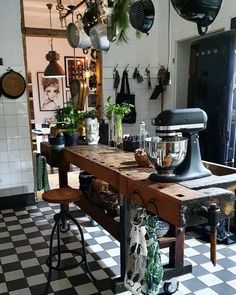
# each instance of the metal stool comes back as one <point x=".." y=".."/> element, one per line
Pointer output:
<point x="64" y="196"/>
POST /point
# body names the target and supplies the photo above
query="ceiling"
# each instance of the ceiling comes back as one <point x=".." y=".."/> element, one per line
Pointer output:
<point x="37" y="14"/>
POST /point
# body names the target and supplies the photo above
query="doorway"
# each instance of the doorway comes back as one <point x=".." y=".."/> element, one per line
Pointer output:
<point x="182" y="71"/>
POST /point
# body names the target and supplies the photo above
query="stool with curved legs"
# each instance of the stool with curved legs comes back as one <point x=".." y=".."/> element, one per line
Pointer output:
<point x="64" y="196"/>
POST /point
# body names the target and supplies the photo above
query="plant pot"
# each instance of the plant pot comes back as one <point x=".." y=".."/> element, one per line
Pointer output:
<point x="71" y="139"/>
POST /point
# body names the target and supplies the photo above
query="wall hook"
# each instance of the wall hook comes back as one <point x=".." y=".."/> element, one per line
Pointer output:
<point x="115" y="68"/>
<point x="147" y="68"/>
<point x="126" y="68"/>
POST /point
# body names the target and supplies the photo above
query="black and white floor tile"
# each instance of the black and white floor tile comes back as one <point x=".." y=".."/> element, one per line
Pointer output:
<point x="24" y="238"/>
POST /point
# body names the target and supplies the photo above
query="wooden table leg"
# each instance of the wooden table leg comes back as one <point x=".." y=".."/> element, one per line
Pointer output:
<point x="177" y="266"/>
<point x="177" y="249"/>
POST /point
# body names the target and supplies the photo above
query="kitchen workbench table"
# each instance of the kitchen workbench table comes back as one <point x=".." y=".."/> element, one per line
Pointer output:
<point x="177" y="203"/>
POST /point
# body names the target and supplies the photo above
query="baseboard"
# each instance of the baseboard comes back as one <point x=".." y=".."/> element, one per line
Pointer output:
<point x="17" y="201"/>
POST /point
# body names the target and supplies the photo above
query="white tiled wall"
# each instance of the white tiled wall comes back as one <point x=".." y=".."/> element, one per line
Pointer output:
<point x="16" y="169"/>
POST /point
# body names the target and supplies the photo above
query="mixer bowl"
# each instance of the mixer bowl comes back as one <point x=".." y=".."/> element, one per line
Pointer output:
<point x="166" y="155"/>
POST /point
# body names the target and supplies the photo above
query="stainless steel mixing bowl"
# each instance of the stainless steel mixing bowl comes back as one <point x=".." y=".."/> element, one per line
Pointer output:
<point x="166" y="155"/>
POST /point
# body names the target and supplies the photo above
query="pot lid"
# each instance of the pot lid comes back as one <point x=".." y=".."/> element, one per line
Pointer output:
<point x="12" y="84"/>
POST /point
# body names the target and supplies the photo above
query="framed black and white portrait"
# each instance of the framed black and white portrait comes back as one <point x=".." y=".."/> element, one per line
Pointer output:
<point x="50" y="92"/>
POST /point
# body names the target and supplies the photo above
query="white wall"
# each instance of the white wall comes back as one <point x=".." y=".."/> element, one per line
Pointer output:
<point x="16" y="172"/>
<point x="142" y="51"/>
<point x="153" y="50"/>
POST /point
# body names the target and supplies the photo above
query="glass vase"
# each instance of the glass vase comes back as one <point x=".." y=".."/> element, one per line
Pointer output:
<point x="111" y="130"/>
<point x="119" y="131"/>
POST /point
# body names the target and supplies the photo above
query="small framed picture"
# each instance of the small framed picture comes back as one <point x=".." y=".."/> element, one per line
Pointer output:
<point x="92" y="100"/>
<point x="74" y="68"/>
<point x="50" y="90"/>
<point x="68" y="96"/>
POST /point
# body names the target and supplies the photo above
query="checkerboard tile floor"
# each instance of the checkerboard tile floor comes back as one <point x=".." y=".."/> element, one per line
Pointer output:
<point x="24" y="239"/>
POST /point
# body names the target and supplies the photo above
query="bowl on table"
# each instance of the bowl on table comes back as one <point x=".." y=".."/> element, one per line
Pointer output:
<point x="166" y="154"/>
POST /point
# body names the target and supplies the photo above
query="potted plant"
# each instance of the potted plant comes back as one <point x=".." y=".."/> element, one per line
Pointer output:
<point x="115" y="112"/>
<point x="67" y="122"/>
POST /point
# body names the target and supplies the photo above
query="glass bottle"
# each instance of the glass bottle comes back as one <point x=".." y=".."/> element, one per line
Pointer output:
<point x="142" y="134"/>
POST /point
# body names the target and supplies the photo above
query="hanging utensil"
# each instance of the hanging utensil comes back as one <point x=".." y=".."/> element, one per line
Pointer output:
<point x="90" y="17"/>
<point x="12" y="84"/>
<point x="141" y="15"/>
<point x="116" y="78"/>
<point x="147" y="71"/>
<point x="201" y="12"/>
<point x="76" y="36"/>
<point x="98" y="35"/>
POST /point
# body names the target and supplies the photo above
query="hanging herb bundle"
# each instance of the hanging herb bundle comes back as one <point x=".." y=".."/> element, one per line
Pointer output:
<point x="120" y="18"/>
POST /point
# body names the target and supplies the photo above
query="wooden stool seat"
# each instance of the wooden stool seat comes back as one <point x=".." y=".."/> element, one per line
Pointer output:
<point x="62" y="195"/>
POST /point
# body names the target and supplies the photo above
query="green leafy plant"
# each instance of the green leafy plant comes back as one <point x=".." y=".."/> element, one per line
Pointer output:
<point x="90" y="114"/>
<point x="116" y="108"/>
<point x="120" y="19"/>
<point x="67" y="118"/>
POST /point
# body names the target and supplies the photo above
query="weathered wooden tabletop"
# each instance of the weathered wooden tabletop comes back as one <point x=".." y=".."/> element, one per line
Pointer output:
<point x="175" y="202"/>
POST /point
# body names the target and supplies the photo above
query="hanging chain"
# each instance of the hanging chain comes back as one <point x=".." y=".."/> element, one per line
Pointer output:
<point x="49" y="6"/>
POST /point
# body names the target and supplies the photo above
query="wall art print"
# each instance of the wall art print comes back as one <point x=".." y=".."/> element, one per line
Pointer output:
<point x="50" y="91"/>
<point x="74" y="67"/>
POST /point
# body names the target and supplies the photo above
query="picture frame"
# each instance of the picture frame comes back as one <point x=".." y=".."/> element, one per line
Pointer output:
<point x="92" y="97"/>
<point x="70" y="70"/>
<point x="50" y="92"/>
<point x="68" y="96"/>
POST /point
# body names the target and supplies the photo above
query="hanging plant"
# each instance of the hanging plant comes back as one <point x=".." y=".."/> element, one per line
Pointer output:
<point x="120" y="19"/>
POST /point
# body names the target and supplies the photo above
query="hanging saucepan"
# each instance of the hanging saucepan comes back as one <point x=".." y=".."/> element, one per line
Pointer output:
<point x="76" y="35"/>
<point x="12" y="84"/>
<point x="202" y="12"/>
<point x="90" y="17"/>
<point x="141" y="15"/>
<point x="98" y="35"/>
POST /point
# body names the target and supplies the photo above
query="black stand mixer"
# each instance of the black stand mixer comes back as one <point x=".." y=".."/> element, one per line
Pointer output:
<point x="175" y="153"/>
